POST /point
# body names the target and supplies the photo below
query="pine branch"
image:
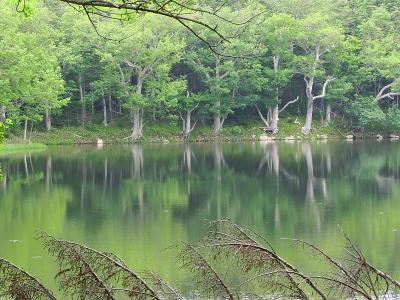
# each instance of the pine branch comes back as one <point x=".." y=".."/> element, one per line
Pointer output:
<point x="164" y="290"/>
<point x="229" y="240"/>
<point x="87" y="273"/>
<point x="15" y="283"/>
<point x="205" y="275"/>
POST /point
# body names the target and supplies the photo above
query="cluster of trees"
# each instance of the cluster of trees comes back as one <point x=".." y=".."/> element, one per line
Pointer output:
<point x="332" y="59"/>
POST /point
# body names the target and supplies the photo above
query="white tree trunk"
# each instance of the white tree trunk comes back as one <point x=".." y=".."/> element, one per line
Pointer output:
<point x="137" y="124"/>
<point x="104" y="111"/>
<point x="82" y="95"/>
<point x="273" y="127"/>
<point x="187" y="124"/>
<point x="25" y="129"/>
<point x="48" y="119"/>
<point x="137" y="115"/>
<point x="310" y="105"/>
<point x="309" y="115"/>
<point x="217" y="125"/>
<point x="110" y="112"/>
<point x="217" y="119"/>
<point x="328" y="114"/>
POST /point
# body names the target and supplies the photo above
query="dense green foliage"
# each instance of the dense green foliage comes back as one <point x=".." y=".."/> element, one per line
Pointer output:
<point x="337" y="61"/>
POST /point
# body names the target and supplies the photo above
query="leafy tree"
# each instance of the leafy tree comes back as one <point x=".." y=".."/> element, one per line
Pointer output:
<point x="277" y="68"/>
<point x="147" y="54"/>
<point x="317" y="37"/>
<point x="381" y="54"/>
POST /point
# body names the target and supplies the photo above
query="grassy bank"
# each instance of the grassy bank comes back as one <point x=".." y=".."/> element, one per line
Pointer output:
<point x="18" y="147"/>
<point x="162" y="132"/>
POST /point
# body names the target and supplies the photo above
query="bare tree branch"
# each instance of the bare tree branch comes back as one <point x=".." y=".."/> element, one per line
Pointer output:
<point x="205" y="275"/>
<point x="85" y="272"/>
<point x="323" y="93"/>
<point x="164" y="290"/>
<point x="289" y="103"/>
<point x="229" y="240"/>
<point x="261" y="115"/>
<point x="382" y="93"/>
<point x="18" y="284"/>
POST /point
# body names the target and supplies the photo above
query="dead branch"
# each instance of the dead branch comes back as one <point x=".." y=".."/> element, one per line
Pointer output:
<point x="204" y="274"/>
<point x="384" y="94"/>
<point x="352" y="276"/>
<point x="164" y="290"/>
<point x="229" y="240"/>
<point x="18" y="284"/>
<point x="289" y="103"/>
<point x="89" y="274"/>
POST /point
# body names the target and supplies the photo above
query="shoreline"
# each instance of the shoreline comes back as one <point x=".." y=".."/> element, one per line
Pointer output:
<point x="166" y="133"/>
<point x="27" y="145"/>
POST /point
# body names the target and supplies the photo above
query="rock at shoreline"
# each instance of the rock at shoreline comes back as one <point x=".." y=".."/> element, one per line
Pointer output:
<point x="350" y="137"/>
<point x="393" y="137"/>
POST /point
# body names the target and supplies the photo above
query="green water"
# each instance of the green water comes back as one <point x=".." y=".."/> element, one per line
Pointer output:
<point x="136" y="201"/>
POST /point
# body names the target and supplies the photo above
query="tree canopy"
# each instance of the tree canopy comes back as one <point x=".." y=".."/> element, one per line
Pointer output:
<point x="85" y="62"/>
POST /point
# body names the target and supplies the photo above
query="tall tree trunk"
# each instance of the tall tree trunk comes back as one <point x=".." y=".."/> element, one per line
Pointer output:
<point x="269" y="114"/>
<point x="82" y="95"/>
<point x="187" y="124"/>
<point x="307" y="125"/>
<point x="217" y="119"/>
<point x="104" y="111"/>
<point x="30" y="133"/>
<point x="310" y="105"/>
<point x="25" y="128"/>
<point x="110" y="112"/>
<point x="92" y="112"/>
<point x="217" y="124"/>
<point x="273" y="127"/>
<point x="275" y="111"/>
<point x="48" y="119"/>
<point x="137" y="124"/>
<point x="217" y="114"/>
<point x="136" y="114"/>
<point x="328" y="114"/>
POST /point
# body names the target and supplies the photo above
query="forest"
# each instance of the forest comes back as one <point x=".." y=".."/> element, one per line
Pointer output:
<point x="259" y="63"/>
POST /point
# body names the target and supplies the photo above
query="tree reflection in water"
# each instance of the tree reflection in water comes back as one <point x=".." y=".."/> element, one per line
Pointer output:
<point x="137" y="199"/>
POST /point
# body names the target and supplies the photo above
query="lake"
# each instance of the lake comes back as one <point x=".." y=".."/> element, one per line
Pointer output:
<point x="138" y="200"/>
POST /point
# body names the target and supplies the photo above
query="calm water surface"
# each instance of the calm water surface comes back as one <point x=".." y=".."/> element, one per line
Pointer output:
<point x="136" y="200"/>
